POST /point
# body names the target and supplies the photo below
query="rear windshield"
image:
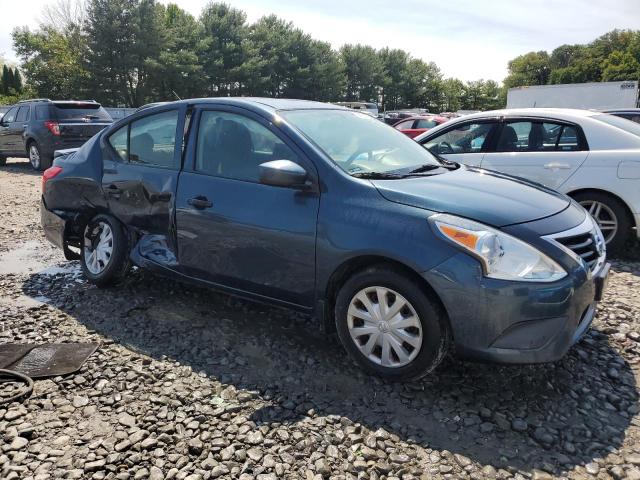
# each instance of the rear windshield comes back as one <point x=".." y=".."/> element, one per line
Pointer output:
<point x="79" y="111"/>
<point x="623" y="123"/>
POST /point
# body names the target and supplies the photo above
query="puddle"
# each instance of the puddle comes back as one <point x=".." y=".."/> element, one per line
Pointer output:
<point x="34" y="257"/>
<point x="23" y="301"/>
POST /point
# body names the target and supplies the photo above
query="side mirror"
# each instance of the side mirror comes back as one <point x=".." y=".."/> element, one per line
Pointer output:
<point x="283" y="173"/>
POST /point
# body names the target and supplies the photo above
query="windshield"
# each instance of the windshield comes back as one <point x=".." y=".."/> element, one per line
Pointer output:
<point x="359" y="143"/>
<point x="626" y="125"/>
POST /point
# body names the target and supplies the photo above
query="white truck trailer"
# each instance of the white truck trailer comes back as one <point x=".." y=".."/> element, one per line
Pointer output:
<point x="597" y="96"/>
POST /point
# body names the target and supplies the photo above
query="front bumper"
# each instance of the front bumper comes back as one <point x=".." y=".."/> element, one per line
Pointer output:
<point x="515" y="322"/>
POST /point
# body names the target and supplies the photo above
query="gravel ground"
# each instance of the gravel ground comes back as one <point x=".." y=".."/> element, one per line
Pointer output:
<point x="189" y="384"/>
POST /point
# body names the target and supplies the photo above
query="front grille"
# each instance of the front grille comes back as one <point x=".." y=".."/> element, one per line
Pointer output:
<point x="584" y="246"/>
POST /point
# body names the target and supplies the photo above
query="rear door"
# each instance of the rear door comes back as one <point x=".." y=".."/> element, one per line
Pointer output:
<point x="140" y="173"/>
<point x="464" y="142"/>
<point x="543" y="150"/>
<point x="233" y="230"/>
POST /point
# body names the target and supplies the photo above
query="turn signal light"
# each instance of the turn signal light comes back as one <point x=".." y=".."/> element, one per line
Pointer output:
<point x="48" y="174"/>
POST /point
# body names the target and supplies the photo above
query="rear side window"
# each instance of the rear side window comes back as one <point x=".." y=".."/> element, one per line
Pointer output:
<point x="42" y="112"/>
<point x="23" y="114"/>
<point x="535" y="136"/>
<point x="152" y="139"/>
<point x="119" y="141"/>
<point x="79" y="111"/>
<point x="425" y="123"/>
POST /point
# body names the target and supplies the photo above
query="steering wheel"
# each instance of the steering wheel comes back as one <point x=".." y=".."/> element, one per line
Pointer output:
<point x="446" y="145"/>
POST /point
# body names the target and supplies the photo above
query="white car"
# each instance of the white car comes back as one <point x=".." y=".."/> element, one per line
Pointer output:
<point x="590" y="156"/>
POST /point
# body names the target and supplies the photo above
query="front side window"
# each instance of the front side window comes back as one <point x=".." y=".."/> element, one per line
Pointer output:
<point x="514" y="137"/>
<point x="466" y="138"/>
<point x="233" y="146"/>
<point x="23" y="114"/>
<point x="10" y="116"/>
<point x="358" y="143"/>
<point x="152" y="139"/>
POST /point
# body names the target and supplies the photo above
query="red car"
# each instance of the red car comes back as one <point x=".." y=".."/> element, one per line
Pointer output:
<point x="414" y="126"/>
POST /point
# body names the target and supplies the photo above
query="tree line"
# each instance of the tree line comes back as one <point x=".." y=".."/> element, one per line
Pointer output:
<point x="613" y="56"/>
<point x="10" y="82"/>
<point x="131" y="52"/>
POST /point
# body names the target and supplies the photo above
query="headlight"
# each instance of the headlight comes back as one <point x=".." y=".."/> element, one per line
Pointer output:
<point x="502" y="256"/>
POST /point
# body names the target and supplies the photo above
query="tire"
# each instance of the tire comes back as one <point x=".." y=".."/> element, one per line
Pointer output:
<point x="431" y="327"/>
<point x="38" y="161"/>
<point x="610" y="207"/>
<point x="109" y="264"/>
<point x="3" y="161"/>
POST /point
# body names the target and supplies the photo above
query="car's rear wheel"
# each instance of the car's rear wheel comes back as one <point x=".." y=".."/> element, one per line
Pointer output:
<point x="3" y="161"/>
<point x="611" y="216"/>
<point x="389" y="325"/>
<point x="104" y="255"/>
<point x="36" y="158"/>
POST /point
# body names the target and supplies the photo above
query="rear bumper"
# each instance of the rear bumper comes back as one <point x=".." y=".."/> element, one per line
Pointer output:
<point x="514" y="322"/>
<point x="54" y="226"/>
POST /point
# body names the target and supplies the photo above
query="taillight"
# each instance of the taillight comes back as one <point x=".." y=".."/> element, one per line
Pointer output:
<point x="49" y="173"/>
<point x="53" y="127"/>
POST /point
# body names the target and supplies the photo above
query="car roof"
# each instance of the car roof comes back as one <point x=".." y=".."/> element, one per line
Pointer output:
<point x="559" y="113"/>
<point x="268" y="103"/>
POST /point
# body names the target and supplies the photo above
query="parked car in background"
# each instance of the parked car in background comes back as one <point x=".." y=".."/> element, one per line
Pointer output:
<point x="632" y="114"/>
<point x="330" y="212"/>
<point x="391" y="117"/>
<point x="591" y="156"/>
<point x="34" y="129"/>
<point x="364" y="107"/>
<point x="414" y="126"/>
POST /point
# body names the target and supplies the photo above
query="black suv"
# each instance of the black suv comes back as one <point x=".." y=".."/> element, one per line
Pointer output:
<point x="34" y="129"/>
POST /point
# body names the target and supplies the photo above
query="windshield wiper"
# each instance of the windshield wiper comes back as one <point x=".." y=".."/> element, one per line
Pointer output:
<point x="377" y="175"/>
<point x="425" y="168"/>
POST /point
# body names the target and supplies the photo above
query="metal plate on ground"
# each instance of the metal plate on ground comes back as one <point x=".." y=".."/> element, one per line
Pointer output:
<point x="47" y="360"/>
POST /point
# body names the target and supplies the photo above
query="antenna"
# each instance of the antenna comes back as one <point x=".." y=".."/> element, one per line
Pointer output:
<point x="177" y="96"/>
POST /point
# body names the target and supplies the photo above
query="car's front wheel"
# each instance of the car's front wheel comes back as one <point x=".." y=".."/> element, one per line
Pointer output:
<point x="389" y="324"/>
<point x="610" y="215"/>
<point x="104" y="255"/>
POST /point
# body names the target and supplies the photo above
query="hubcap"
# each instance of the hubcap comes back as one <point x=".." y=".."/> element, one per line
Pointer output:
<point x="98" y="247"/>
<point x="384" y="326"/>
<point x="604" y="217"/>
<point x="34" y="156"/>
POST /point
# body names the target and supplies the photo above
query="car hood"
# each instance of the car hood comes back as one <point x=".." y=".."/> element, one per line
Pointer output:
<point x="485" y="196"/>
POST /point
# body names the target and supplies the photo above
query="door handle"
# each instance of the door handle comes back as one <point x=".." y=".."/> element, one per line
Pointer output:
<point x="113" y="189"/>
<point x="200" y="202"/>
<point x="25" y="126"/>
<point x="557" y="165"/>
<point x="160" y="197"/>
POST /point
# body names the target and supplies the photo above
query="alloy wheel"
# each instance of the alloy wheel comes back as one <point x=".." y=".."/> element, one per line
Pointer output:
<point x="384" y="326"/>
<point x="98" y="247"/>
<point x="34" y="156"/>
<point x="604" y="217"/>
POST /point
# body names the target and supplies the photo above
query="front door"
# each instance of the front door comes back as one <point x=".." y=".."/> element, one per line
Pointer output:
<point x="140" y="176"/>
<point x="543" y="151"/>
<point x="234" y="231"/>
<point x="11" y="133"/>
<point x="463" y="143"/>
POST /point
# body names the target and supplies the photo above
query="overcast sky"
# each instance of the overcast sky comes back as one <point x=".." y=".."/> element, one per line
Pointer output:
<point x="468" y="39"/>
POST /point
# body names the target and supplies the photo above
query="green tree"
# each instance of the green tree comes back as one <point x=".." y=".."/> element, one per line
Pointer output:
<point x="620" y="66"/>
<point x="363" y="69"/>
<point x="125" y="40"/>
<point x="529" y="69"/>
<point x="51" y="62"/>
<point x="5" y="80"/>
